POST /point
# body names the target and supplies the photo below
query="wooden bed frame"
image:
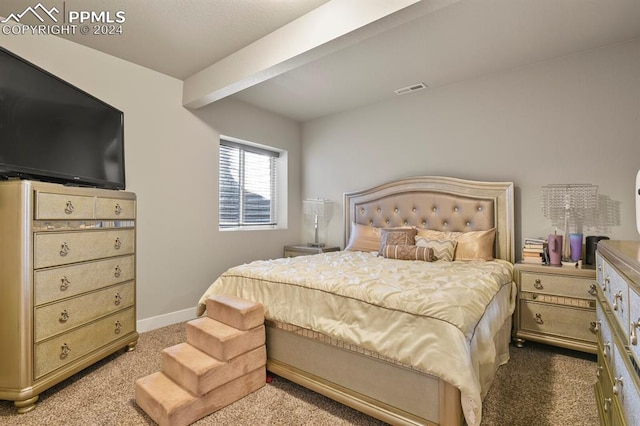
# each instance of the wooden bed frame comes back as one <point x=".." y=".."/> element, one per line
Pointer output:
<point x="385" y="390"/>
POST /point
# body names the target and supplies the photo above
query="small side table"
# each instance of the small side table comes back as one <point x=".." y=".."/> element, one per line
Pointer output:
<point x="304" y="250"/>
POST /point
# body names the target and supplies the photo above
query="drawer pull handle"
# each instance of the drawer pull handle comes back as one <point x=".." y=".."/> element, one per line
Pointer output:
<point x="118" y="299"/>
<point x="607" y="404"/>
<point x="617" y="385"/>
<point x="595" y="327"/>
<point x="117" y="244"/>
<point x="64" y="316"/>
<point x="117" y="272"/>
<point x="64" y="249"/>
<point x="538" y="319"/>
<point x="69" y="208"/>
<point x="592" y="290"/>
<point x="617" y="298"/>
<point x="118" y="327"/>
<point x="633" y="335"/>
<point x="607" y="348"/>
<point x="600" y="267"/>
<point x="118" y="209"/>
<point x="599" y="371"/>
<point x="538" y="284"/>
<point x="64" y="350"/>
<point x="64" y="283"/>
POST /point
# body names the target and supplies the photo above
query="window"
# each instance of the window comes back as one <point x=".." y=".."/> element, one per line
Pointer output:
<point x="248" y="185"/>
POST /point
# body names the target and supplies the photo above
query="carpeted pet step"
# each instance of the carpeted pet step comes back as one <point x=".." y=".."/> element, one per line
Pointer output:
<point x="236" y="312"/>
<point x="199" y="373"/>
<point x="168" y="404"/>
<point x="222" y="341"/>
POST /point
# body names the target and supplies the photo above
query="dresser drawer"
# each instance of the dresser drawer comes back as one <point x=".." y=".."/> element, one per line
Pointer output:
<point x="67" y="281"/>
<point x="562" y="321"/>
<point x="583" y="288"/>
<point x="62" y="206"/>
<point x="61" y="248"/>
<point x="64" y="349"/>
<point x="115" y="208"/>
<point x="634" y="323"/>
<point x="61" y="316"/>
<point x="624" y="387"/>
<point x="617" y="297"/>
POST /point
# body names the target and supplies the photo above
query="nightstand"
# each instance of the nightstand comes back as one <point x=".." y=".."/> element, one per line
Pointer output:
<point x="556" y="305"/>
<point x="304" y="250"/>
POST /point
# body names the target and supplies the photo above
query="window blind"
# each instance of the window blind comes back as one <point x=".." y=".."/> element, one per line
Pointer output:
<point x="247" y="185"/>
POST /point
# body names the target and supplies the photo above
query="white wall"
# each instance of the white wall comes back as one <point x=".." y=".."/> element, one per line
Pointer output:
<point x="574" y="119"/>
<point x="171" y="164"/>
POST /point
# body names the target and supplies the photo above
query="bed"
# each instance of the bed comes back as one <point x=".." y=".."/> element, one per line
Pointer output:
<point x="406" y="341"/>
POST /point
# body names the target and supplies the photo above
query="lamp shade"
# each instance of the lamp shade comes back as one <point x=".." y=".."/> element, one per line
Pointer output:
<point x="317" y="207"/>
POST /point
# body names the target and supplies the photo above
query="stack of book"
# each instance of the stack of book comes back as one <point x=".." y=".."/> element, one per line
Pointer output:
<point x="533" y="250"/>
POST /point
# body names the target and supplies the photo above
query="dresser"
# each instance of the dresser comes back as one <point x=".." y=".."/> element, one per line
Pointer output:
<point x="618" y="309"/>
<point x="556" y="305"/>
<point x="67" y="277"/>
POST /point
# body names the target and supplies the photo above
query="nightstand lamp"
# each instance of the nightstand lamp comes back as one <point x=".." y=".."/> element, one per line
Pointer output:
<point x="317" y="208"/>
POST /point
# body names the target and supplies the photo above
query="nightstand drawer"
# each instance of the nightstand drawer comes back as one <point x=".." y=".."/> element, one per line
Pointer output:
<point x="562" y="321"/>
<point x="583" y="288"/>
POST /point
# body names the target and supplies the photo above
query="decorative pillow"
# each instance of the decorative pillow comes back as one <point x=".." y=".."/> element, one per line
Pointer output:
<point x="472" y="245"/>
<point x="442" y="249"/>
<point x="408" y="252"/>
<point x="363" y="238"/>
<point x="397" y="236"/>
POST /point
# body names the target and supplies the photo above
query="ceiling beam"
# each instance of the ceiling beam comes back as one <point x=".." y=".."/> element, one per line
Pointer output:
<point x="333" y="26"/>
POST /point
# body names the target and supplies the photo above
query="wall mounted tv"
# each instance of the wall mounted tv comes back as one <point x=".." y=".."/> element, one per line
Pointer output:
<point x="55" y="132"/>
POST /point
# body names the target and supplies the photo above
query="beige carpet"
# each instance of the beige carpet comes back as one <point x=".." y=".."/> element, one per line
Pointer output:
<point x="540" y="386"/>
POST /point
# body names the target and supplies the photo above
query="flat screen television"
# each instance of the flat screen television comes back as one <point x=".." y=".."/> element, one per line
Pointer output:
<point x="55" y="132"/>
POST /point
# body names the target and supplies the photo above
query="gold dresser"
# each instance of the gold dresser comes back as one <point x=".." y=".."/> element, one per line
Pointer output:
<point x="67" y="283"/>
<point x="618" y="310"/>
<point x="556" y="306"/>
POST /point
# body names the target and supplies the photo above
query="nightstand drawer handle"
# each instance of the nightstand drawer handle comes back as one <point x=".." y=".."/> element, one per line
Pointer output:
<point x="607" y="404"/>
<point x="64" y="350"/>
<point x="595" y="327"/>
<point x="64" y="249"/>
<point x="64" y="283"/>
<point x="538" y="284"/>
<point x="118" y="327"/>
<point x="617" y="298"/>
<point x="69" y="208"/>
<point x="599" y="371"/>
<point x="606" y="349"/>
<point x="64" y="316"/>
<point x="592" y="290"/>
<point x="538" y="319"/>
<point x="633" y="335"/>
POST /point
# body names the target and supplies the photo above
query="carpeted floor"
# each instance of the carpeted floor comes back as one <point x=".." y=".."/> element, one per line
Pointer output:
<point x="540" y="386"/>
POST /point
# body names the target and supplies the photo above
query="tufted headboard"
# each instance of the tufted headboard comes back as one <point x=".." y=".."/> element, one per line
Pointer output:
<point x="439" y="203"/>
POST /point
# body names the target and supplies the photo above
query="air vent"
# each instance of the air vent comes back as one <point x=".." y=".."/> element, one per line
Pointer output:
<point x="410" y="89"/>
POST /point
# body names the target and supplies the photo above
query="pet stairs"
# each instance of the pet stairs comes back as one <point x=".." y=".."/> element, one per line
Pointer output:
<point x="222" y="361"/>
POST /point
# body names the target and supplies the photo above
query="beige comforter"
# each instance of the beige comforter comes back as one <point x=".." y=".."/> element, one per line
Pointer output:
<point x="420" y="313"/>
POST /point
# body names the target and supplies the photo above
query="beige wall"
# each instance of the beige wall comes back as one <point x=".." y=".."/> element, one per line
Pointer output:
<point x="171" y="164"/>
<point x="574" y="119"/>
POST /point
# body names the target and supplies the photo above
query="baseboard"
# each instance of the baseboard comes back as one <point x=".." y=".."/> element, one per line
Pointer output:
<point x="159" y="321"/>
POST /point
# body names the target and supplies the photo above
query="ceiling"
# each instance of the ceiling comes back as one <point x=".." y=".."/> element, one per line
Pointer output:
<point x="455" y="41"/>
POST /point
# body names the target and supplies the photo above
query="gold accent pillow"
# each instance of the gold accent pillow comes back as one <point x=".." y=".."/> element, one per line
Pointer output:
<point x="472" y="245"/>
<point x="408" y="252"/>
<point x="442" y="249"/>
<point x="363" y="238"/>
<point x="397" y="236"/>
